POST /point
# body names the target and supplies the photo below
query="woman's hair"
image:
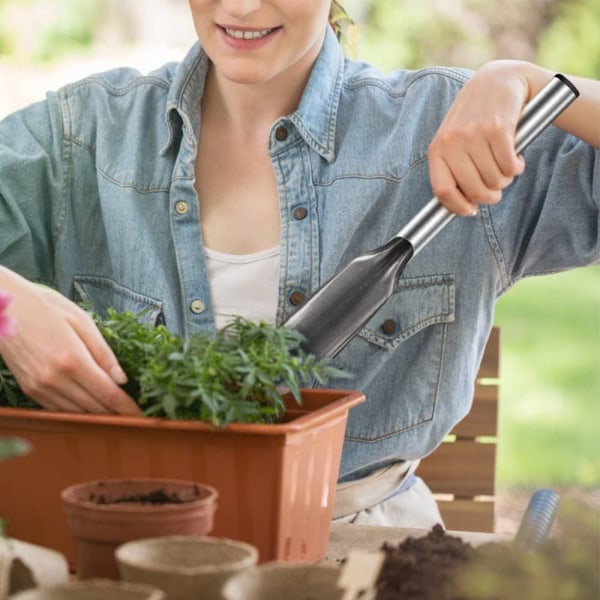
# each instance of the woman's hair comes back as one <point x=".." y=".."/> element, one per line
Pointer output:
<point x="344" y="27"/>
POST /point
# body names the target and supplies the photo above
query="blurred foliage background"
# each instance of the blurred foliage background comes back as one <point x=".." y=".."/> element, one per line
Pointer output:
<point x="550" y="389"/>
<point x="559" y="34"/>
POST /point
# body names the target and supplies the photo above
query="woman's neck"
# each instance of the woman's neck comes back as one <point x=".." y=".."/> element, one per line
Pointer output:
<point x="248" y="109"/>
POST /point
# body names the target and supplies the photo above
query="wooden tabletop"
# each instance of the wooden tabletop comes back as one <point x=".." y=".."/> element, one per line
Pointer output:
<point x="344" y="536"/>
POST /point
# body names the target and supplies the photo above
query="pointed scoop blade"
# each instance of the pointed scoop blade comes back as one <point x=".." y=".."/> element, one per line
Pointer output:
<point x="337" y="311"/>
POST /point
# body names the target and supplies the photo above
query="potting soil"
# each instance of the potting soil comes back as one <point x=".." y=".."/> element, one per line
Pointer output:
<point x="440" y="566"/>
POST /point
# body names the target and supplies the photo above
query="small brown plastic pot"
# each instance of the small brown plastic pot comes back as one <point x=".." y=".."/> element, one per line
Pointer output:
<point x="102" y="515"/>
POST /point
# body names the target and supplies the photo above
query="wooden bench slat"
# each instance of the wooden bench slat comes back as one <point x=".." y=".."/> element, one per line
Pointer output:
<point x="462" y="468"/>
<point x="482" y="419"/>
<point x="467" y="515"/>
<point x="490" y="362"/>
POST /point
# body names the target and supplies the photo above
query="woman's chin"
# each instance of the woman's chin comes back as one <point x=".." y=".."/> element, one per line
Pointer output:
<point x="244" y="73"/>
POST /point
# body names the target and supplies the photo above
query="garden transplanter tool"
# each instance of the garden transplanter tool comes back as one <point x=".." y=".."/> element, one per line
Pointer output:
<point x="333" y="315"/>
<point x="537" y="520"/>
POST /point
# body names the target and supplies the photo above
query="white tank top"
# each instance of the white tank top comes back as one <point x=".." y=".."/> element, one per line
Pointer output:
<point x="245" y="285"/>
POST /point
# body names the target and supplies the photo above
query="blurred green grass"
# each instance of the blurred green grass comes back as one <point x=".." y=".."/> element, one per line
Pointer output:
<point x="549" y="430"/>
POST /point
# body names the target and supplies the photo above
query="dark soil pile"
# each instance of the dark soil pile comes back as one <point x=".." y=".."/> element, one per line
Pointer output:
<point x="440" y="566"/>
<point x="423" y="568"/>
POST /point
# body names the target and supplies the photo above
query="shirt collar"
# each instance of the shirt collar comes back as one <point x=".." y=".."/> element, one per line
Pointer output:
<point x="183" y="101"/>
<point x="315" y="118"/>
<point x="316" y="115"/>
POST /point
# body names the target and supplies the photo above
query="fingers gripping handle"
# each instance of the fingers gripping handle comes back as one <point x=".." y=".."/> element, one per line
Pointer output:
<point x="538" y="113"/>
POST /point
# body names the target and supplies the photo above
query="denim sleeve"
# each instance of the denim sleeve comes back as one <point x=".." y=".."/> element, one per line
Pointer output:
<point x="549" y="218"/>
<point x="32" y="175"/>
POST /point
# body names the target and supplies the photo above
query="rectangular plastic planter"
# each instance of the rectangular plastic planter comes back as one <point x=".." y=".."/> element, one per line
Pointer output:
<point x="276" y="482"/>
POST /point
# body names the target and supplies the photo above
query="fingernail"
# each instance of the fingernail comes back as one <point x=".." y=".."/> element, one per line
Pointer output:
<point x="118" y="375"/>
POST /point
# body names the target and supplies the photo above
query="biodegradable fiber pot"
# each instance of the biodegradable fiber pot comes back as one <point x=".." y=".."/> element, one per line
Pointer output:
<point x="93" y="589"/>
<point x="101" y="515"/>
<point x="292" y="581"/>
<point x="185" y="567"/>
<point x="15" y="575"/>
<point x="24" y="566"/>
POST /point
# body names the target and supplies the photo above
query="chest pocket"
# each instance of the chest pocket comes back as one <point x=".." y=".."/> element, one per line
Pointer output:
<point x="102" y="293"/>
<point x="416" y="304"/>
<point x="397" y="360"/>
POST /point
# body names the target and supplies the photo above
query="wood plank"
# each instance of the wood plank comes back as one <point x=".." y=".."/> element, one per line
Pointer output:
<point x="462" y="468"/>
<point x="468" y="515"/>
<point x="487" y="392"/>
<point x="482" y="419"/>
<point x="490" y="362"/>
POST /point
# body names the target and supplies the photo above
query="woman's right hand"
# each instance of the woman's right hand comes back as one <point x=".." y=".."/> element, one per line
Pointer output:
<point x="58" y="356"/>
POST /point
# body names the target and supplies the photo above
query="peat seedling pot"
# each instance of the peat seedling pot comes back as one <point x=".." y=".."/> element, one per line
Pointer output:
<point x="93" y="589"/>
<point x="101" y="515"/>
<point x="185" y="567"/>
<point x="276" y="482"/>
<point x="276" y="581"/>
<point x="24" y="566"/>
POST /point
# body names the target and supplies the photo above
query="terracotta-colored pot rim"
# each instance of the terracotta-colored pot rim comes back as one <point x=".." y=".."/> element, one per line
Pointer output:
<point x="71" y="496"/>
<point x="302" y="418"/>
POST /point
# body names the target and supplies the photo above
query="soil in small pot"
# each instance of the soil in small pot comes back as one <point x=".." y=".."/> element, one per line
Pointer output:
<point x="153" y="496"/>
<point x="158" y="496"/>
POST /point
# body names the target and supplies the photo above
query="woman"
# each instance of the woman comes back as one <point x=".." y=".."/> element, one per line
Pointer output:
<point x="242" y="179"/>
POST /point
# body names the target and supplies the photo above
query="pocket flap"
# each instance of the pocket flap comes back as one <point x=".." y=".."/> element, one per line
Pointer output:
<point x="417" y="303"/>
<point x="103" y="293"/>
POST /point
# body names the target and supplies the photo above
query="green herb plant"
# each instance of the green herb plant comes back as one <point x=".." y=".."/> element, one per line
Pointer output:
<point x="237" y="375"/>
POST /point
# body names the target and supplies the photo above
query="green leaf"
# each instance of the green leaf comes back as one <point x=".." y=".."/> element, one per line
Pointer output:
<point x="13" y="447"/>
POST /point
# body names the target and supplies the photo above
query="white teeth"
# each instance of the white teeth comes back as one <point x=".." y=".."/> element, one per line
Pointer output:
<point x="247" y="35"/>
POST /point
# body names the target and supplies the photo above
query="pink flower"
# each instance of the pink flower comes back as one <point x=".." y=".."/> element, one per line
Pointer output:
<point x="7" y="323"/>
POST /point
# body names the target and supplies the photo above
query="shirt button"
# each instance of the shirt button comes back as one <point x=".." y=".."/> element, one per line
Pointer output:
<point x="297" y="298"/>
<point x="182" y="207"/>
<point x="281" y="133"/>
<point x="197" y="306"/>
<point x="300" y="213"/>
<point x="389" y="326"/>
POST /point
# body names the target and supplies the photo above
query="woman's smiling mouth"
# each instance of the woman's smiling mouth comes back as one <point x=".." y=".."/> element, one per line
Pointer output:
<point x="246" y="38"/>
<point x="245" y="34"/>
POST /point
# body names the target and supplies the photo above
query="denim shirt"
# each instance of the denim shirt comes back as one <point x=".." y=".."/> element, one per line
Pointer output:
<point x="97" y="199"/>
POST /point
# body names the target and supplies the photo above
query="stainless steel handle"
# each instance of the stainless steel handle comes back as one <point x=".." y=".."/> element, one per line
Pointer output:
<point x="538" y="113"/>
